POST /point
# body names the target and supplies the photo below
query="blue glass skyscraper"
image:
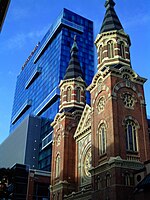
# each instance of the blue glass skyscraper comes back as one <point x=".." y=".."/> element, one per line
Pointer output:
<point x="37" y="91"/>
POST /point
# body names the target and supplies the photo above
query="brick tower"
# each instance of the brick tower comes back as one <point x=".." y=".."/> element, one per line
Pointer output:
<point x="120" y="142"/>
<point x="72" y="103"/>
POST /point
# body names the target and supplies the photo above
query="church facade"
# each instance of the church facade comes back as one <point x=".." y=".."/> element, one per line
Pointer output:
<point x="98" y="148"/>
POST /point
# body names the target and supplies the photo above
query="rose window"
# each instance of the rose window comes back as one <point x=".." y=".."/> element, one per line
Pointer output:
<point x="128" y="100"/>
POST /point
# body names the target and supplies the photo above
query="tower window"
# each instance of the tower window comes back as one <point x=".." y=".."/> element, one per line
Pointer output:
<point x="100" y="82"/>
<point x="102" y="139"/>
<point x="68" y="94"/>
<point x="58" y="166"/>
<point x="110" y="48"/>
<point x="131" y="136"/>
<point x="78" y="94"/>
<point x="127" y="180"/>
<point x="100" y="54"/>
<point x="108" y="177"/>
<point x="101" y="104"/>
<point x="54" y="196"/>
<point x="126" y="76"/>
<point x="58" y="140"/>
<point x="99" y="183"/>
<point x="122" y="50"/>
<point x="58" y="196"/>
<point x="128" y="100"/>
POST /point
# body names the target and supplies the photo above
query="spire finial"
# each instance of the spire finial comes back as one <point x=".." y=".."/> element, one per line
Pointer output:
<point x="109" y="3"/>
<point x="74" y="69"/>
<point x="74" y="46"/>
<point x="111" y="21"/>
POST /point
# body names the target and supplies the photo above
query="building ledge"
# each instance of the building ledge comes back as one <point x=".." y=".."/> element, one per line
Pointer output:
<point x="53" y="31"/>
<point x="22" y="110"/>
<point x="33" y="77"/>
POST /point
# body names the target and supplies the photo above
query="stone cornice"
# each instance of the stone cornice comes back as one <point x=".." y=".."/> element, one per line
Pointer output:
<point x="109" y="33"/>
<point x="79" y="80"/>
<point x="60" y="185"/>
<point x="61" y="116"/>
<point x="109" y="70"/>
<point x="116" y="162"/>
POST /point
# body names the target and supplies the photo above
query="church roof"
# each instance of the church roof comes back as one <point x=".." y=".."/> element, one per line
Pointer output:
<point x="111" y="20"/>
<point x="74" y="69"/>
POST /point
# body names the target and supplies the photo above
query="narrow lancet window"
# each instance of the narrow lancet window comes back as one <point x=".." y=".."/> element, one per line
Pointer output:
<point x="68" y="94"/>
<point x="102" y="139"/>
<point x="100" y="54"/>
<point x="78" y="94"/>
<point x="131" y="136"/>
<point x="57" y="166"/>
<point x="110" y="49"/>
<point x="122" y="50"/>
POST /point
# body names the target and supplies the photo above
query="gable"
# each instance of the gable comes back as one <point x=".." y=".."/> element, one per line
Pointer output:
<point x="84" y="123"/>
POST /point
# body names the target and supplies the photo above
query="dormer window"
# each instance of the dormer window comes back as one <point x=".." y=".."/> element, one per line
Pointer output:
<point x="110" y="49"/>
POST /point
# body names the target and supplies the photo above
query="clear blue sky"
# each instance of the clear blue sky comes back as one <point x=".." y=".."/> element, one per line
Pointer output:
<point x="27" y="22"/>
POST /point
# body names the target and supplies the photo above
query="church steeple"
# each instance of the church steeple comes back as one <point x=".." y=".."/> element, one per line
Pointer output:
<point x="112" y="42"/>
<point x="72" y="103"/>
<point x="74" y="69"/>
<point x="111" y="20"/>
<point x="118" y="117"/>
<point x="72" y="87"/>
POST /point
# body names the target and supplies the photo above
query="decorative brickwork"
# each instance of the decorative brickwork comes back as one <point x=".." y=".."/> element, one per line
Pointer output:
<point x="98" y="148"/>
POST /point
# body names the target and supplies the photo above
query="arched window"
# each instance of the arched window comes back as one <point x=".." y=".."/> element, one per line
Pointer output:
<point x="99" y="83"/>
<point x="58" y="196"/>
<point x="68" y="94"/>
<point x="58" y="140"/>
<point x="127" y="180"/>
<point x="54" y="196"/>
<point x="102" y="139"/>
<point x="122" y="50"/>
<point x="100" y="54"/>
<point x="128" y="100"/>
<point x="99" y="186"/>
<point x="131" y="135"/>
<point x="57" y="165"/>
<point x="101" y="104"/>
<point x="78" y="94"/>
<point x="110" y="48"/>
<point x="108" y="177"/>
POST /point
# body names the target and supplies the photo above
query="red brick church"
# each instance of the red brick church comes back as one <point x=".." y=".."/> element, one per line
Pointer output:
<point x="98" y="148"/>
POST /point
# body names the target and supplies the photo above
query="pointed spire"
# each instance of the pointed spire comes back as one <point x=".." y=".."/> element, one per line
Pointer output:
<point x="74" y="69"/>
<point x="109" y="3"/>
<point x="74" y="46"/>
<point x="111" y="20"/>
